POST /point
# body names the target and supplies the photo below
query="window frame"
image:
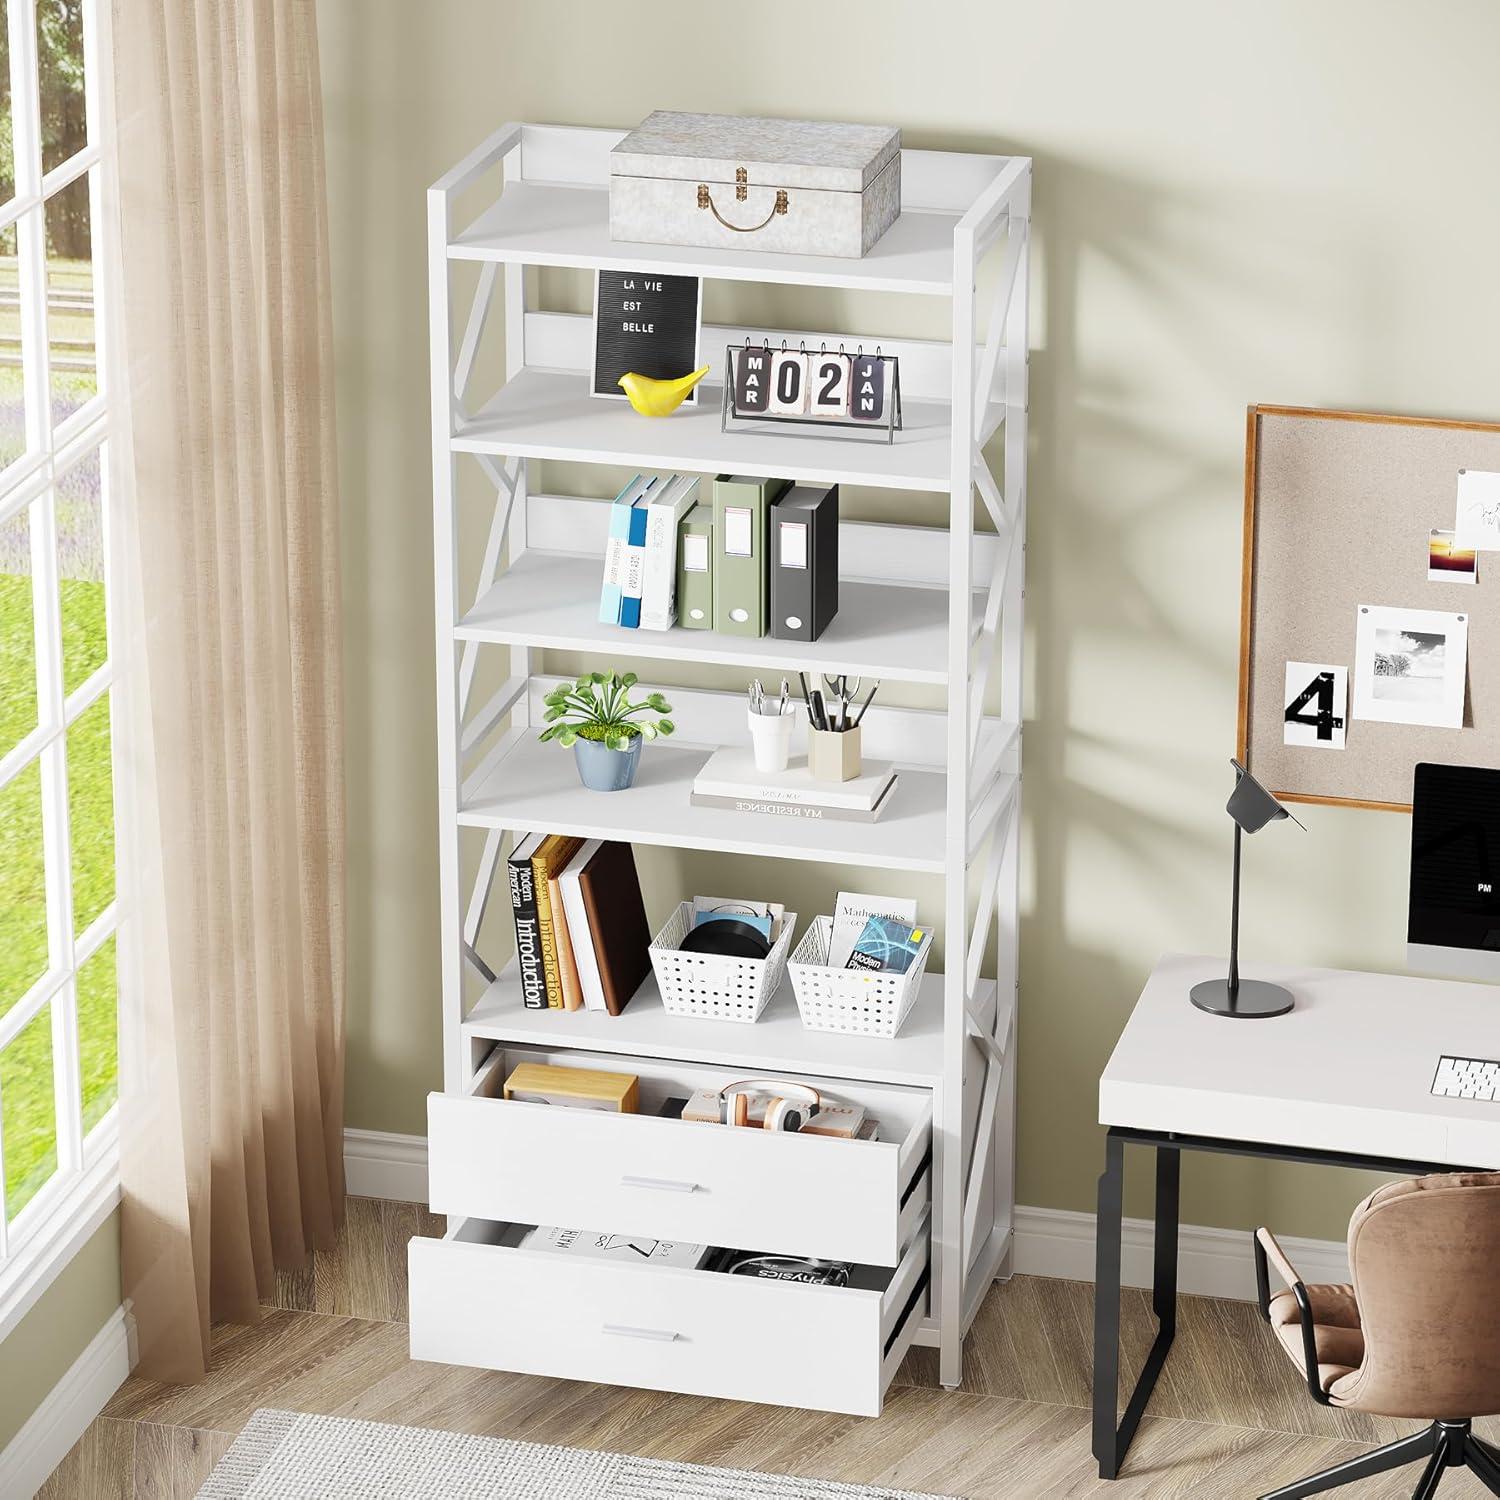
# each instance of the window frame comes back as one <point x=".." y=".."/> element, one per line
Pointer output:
<point x="85" y="1188"/>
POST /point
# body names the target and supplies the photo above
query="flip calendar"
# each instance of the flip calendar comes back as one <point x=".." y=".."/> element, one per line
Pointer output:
<point x="852" y="390"/>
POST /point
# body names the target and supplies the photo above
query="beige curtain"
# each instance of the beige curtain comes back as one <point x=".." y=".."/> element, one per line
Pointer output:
<point x="231" y="791"/>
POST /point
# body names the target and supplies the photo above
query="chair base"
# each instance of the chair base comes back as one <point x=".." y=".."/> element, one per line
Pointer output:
<point x="1444" y="1445"/>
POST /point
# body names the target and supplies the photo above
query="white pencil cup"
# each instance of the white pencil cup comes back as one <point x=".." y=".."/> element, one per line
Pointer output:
<point x="770" y="739"/>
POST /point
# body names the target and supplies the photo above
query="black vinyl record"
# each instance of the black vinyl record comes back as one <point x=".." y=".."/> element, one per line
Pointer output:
<point x="725" y="935"/>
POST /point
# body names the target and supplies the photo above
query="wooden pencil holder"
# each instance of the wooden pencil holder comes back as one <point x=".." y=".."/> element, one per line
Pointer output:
<point x="833" y="755"/>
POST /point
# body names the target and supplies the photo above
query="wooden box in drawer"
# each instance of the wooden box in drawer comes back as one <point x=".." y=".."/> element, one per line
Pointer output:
<point x="784" y="1193"/>
<point x="476" y="1302"/>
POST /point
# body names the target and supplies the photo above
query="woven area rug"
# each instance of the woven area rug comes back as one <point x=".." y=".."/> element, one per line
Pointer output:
<point x="283" y="1455"/>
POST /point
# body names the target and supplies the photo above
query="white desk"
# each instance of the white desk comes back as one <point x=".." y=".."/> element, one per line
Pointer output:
<point x="1343" y="1080"/>
<point x="1348" y="1069"/>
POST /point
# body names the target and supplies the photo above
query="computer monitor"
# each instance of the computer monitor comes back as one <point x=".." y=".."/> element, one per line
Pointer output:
<point x="1453" y="921"/>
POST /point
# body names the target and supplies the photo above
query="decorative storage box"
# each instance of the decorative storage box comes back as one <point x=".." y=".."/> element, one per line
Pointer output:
<point x="714" y="986"/>
<point x="794" y="186"/>
<point x="857" y="1001"/>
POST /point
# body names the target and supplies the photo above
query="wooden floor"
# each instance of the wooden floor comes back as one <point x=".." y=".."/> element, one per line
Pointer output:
<point x="1228" y="1419"/>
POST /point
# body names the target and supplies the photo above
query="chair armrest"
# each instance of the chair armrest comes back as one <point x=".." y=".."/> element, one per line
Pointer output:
<point x="1267" y="1249"/>
<point x="1268" y="1253"/>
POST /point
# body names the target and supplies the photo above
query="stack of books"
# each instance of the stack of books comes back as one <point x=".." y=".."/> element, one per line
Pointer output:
<point x="729" y="779"/>
<point x="581" y="935"/>
<point x="640" y="558"/>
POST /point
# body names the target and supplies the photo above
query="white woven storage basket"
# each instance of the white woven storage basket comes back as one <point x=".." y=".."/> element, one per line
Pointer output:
<point x="859" y="1002"/>
<point x="714" y="986"/>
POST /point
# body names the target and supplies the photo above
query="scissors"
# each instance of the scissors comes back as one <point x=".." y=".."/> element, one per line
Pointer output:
<point x="844" y="691"/>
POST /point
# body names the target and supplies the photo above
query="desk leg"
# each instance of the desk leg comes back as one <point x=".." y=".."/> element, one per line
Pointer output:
<point x="1107" y="1307"/>
<point x="1111" y="1442"/>
<point x="1164" y="1246"/>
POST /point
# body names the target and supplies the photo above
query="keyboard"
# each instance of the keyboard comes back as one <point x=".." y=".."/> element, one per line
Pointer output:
<point x="1466" y="1078"/>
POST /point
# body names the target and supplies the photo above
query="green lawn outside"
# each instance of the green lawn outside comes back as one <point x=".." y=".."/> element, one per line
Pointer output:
<point x="26" y="1111"/>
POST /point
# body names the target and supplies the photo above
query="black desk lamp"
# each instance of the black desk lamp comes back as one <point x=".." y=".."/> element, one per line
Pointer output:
<point x="1252" y="807"/>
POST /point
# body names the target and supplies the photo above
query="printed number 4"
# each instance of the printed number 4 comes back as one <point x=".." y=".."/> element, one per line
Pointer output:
<point x="1323" y="720"/>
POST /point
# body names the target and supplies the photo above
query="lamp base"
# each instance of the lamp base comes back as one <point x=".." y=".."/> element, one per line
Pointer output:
<point x="1254" y="1000"/>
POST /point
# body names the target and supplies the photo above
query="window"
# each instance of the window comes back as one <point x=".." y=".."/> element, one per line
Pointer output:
<point x="58" y="1060"/>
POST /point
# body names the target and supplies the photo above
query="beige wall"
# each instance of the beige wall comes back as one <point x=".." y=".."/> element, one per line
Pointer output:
<point x="40" y="1349"/>
<point x="1282" y="202"/>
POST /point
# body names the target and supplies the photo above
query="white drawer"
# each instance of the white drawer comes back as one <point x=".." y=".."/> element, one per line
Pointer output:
<point x="787" y="1194"/>
<point x="475" y="1302"/>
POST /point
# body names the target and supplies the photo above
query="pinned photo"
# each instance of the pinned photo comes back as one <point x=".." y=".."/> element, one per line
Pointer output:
<point x="1315" y="705"/>
<point x="1478" y="523"/>
<point x="1449" y="563"/>
<point x="1409" y="666"/>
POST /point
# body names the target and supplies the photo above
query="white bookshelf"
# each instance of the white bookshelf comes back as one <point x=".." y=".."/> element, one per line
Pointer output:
<point x="938" y="608"/>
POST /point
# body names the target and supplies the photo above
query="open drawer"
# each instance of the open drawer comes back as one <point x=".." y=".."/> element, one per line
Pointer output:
<point x="476" y="1302"/>
<point x="787" y="1194"/>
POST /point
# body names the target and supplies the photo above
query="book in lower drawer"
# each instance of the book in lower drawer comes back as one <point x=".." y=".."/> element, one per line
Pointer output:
<point x="476" y="1301"/>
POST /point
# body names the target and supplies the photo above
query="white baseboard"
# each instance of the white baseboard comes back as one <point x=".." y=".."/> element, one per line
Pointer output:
<point x="1211" y="1262"/>
<point x="68" y="1408"/>
<point x="378" y="1164"/>
<point x="1048" y="1241"/>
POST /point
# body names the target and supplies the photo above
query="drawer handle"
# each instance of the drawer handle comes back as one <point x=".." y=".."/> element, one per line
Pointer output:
<point x="659" y="1184"/>
<point x="656" y="1335"/>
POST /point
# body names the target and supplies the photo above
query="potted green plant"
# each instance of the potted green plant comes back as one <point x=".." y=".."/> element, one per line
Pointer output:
<point x="596" y="717"/>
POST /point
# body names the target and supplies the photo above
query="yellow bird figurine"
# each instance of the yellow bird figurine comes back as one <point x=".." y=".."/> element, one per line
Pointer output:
<point x="658" y="398"/>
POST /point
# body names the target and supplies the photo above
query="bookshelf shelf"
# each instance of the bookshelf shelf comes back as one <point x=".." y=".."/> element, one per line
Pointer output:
<point x="883" y="630"/>
<point x="777" y="1041"/>
<point x="937" y="607"/>
<point x="550" y="414"/>
<point x="534" y="788"/>
<point x="549" y="224"/>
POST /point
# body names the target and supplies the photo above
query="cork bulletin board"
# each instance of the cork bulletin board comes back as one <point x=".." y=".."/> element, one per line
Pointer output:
<point x="1338" y="511"/>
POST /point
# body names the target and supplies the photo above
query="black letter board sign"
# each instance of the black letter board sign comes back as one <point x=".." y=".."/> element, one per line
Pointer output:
<point x="647" y="324"/>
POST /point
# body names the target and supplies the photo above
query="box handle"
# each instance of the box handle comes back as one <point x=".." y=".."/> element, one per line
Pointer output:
<point x="656" y="1335"/>
<point x="706" y="200"/>
<point x="660" y="1184"/>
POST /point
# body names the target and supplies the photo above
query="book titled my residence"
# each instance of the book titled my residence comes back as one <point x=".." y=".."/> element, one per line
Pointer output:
<point x="809" y="811"/>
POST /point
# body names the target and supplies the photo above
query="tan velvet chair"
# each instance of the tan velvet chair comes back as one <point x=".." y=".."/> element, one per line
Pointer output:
<point x="1416" y="1335"/>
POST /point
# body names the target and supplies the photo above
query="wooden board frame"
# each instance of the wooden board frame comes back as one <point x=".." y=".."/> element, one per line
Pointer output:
<point x="1249" y="578"/>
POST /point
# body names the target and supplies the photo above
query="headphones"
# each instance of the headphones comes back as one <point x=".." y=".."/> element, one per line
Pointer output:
<point x="790" y="1105"/>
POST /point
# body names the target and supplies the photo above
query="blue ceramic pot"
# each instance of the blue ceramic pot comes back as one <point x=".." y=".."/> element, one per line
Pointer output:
<point x="601" y="769"/>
